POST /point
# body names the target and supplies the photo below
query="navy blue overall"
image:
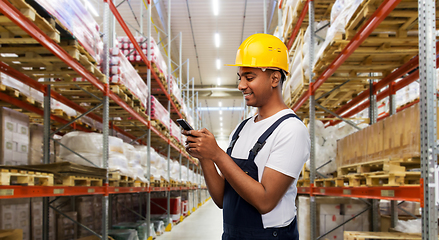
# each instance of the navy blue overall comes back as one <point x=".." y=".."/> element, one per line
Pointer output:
<point x="241" y="220"/>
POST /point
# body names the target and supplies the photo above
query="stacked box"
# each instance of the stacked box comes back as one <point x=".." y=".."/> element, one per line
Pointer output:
<point x="14" y="137"/>
<point x="37" y="220"/>
<point x="36" y="152"/>
<point x="135" y="207"/>
<point x="395" y="137"/>
<point x="66" y="229"/>
<point x="84" y="207"/>
<point x="122" y="213"/>
<point x="14" y="214"/>
<point x="97" y="208"/>
<point x="331" y="212"/>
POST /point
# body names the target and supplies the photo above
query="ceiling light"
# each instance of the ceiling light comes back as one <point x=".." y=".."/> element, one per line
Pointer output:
<point x="221" y="112"/>
<point x="219" y="81"/>
<point x="221" y="129"/>
<point x="215" y="7"/>
<point x="218" y="63"/>
<point x="220" y="104"/>
<point x="221" y="118"/>
<point x="217" y="40"/>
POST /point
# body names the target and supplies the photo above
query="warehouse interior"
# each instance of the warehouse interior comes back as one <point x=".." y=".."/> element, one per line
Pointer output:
<point x="90" y="91"/>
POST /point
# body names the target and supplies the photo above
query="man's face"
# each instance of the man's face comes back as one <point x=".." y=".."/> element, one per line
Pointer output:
<point x="255" y="85"/>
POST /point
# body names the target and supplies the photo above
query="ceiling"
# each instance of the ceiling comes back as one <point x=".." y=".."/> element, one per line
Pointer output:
<point x="195" y="20"/>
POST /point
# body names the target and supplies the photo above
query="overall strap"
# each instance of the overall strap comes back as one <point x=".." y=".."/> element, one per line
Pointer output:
<point x="236" y="136"/>
<point x="261" y="141"/>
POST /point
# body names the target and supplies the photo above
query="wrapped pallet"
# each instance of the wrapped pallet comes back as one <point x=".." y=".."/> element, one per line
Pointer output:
<point x="158" y="112"/>
<point x="14" y="137"/>
<point x="89" y="145"/>
<point x="15" y="214"/>
<point x="73" y="15"/>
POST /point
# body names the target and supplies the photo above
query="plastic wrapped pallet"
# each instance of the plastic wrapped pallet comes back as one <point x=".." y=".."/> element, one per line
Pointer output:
<point x="134" y="162"/>
<point x="140" y="227"/>
<point x="89" y="145"/>
<point x="15" y="214"/>
<point x="123" y="234"/>
<point x="341" y="13"/>
<point x="14" y="137"/>
<point x="128" y="50"/>
<point x="159" y="112"/>
<point x="175" y="131"/>
<point x="122" y="72"/>
<point x="74" y="16"/>
<point x="159" y="227"/>
<point x="175" y="171"/>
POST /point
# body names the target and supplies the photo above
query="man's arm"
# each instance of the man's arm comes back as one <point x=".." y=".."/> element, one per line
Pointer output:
<point x="263" y="195"/>
<point x="214" y="182"/>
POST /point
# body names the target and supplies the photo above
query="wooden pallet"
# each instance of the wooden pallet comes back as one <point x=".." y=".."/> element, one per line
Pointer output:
<point x="12" y="34"/>
<point x="79" y="181"/>
<point x="393" y="43"/>
<point x="303" y="183"/>
<point x="292" y="14"/>
<point x="116" y="179"/>
<point x="26" y="178"/>
<point x="385" y="165"/>
<point x="350" y="235"/>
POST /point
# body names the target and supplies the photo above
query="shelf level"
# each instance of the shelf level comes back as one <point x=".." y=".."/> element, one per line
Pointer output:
<point x="400" y="193"/>
<point x="7" y="192"/>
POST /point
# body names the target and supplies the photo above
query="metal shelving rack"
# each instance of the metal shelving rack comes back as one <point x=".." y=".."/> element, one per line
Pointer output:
<point x="426" y="64"/>
<point x="43" y="191"/>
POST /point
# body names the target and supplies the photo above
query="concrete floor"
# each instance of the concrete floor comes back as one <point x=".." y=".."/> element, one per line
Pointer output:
<point x="206" y="223"/>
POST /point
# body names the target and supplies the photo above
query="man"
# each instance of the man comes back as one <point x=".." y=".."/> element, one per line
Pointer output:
<point x="257" y="184"/>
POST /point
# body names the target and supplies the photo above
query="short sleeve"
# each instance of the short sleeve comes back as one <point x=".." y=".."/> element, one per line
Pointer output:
<point x="290" y="149"/>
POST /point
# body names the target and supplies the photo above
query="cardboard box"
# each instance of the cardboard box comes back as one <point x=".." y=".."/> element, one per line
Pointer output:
<point x="66" y="229"/>
<point x="14" y="137"/>
<point x="37" y="220"/>
<point x="14" y="234"/>
<point x="331" y="212"/>
<point x="395" y="137"/>
<point x="86" y="214"/>
<point x="15" y="214"/>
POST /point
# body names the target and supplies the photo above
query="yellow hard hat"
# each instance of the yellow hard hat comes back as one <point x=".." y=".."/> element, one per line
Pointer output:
<point x="262" y="51"/>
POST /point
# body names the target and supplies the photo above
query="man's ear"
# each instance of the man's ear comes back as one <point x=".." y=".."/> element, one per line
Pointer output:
<point x="275" y="79"/>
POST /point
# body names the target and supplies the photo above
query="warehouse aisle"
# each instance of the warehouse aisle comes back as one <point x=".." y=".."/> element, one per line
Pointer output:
<point x="206" y="223"/>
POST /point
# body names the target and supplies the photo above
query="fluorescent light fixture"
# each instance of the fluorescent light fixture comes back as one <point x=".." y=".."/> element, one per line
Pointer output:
<point x="220" y="104"/>
<point x="16" y="62"/>
<point x="221" y="124"/>
<point x="219" y="81"/>
<point x="8" y="55"/>
<point x="221" y="118"/>
<point x="215" y="7"/>
<point x="217" y="40"/>
<point x="221" y="112"/>
<point x="91" y="8"/>
<point x="218" y="63"/>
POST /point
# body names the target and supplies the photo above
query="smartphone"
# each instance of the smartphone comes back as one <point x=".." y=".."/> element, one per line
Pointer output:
<point x="185" y="125"/>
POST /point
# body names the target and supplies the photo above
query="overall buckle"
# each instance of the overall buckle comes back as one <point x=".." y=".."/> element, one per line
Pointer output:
<point x="257" y="147"/>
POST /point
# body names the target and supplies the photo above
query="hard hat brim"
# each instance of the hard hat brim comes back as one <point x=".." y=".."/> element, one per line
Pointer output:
<point x="243" y="65"/>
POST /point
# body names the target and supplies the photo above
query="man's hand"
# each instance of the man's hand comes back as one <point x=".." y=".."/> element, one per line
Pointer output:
<point x="201" y="144"/>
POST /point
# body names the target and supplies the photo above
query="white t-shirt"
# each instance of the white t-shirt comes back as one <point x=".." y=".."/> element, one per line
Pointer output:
<point x="285" y="151"/>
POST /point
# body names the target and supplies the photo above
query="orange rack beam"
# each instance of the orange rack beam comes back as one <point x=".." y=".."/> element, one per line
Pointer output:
<point x="401" y="193"/>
